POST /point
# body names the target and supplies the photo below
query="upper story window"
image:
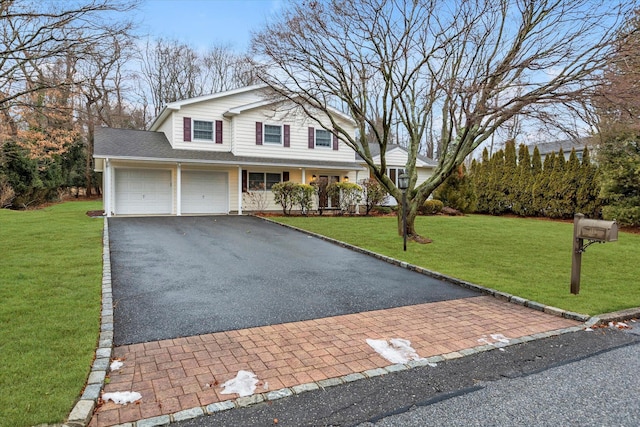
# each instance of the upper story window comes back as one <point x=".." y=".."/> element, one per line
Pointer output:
<point x="323" y="138"/>
<point x="273" y="134"/>
<point x="203" y="130"/>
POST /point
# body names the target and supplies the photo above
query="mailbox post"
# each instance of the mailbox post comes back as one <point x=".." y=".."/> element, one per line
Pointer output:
<point x="595" y="231"/>
<point x="576" y="259"/>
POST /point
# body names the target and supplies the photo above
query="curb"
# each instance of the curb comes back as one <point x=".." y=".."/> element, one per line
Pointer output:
<point x="81" y="414"/>
<point x="618" y="316"/>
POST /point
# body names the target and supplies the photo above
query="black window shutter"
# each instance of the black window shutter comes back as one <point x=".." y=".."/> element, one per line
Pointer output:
<point x="287" y="136"/>
<point x="218" y="131"/>
<point x="258" y="133"/>
<point x="245" y="180"/>
<point x="285" y="176"/>
<point x="186" y="121"/>
<point x="335" y="141"/>
<point x="312" y="135"/>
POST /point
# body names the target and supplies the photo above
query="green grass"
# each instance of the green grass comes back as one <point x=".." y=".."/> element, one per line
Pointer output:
<point x="50" y="278"/>
<point x="525" y="257"/>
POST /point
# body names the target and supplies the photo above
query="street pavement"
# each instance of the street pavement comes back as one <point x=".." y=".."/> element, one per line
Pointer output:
<point x="580" y="378"/>
<point x="595" y="391"/>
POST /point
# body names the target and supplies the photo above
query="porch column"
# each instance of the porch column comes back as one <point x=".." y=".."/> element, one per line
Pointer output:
<point x="106" y="187"/>
<point x="179" y="190"/>
<point x="304" y="176"/>
<point x="357" y="204"/>
<point x="239" y="190"/>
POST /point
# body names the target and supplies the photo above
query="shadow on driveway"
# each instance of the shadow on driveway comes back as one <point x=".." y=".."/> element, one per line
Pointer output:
<point x="183" y="276"/>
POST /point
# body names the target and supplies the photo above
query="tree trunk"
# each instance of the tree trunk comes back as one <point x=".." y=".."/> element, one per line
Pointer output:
<point x="88" y="172"/>
<point x="412" y="213"/>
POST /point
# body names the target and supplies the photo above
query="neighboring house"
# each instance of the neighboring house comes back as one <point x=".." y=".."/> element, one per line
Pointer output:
<point x="566" y="145"/>
<point x="206" y="155"/>
<point x="396" y="159"/>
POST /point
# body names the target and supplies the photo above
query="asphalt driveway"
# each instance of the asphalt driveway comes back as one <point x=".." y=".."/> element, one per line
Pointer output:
<point x="183" y="276"/>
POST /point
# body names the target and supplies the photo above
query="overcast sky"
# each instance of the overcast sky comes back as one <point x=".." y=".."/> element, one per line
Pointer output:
<point x="202" y="23"/>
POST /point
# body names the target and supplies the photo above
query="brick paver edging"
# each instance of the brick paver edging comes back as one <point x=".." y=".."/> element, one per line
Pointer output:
<point x="83" y="410"/>
<point x="241" y="402"/>
<point x="487" y="291"/>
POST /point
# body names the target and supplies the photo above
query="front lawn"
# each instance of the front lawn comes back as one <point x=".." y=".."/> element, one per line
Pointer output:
<point x="50" y="278"/>
<point x="526" y="257"/>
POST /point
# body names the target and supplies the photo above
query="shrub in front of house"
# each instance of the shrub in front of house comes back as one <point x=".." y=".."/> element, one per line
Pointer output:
<point x="372" y="194"/>
<point x="285" y="194"/>
<point x="431" y="207"/>
<point x="303" y="197"/>
<point x="348" y="193"/>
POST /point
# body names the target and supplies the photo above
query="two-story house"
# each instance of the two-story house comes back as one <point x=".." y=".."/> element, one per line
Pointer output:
<point x="205" y="155"/>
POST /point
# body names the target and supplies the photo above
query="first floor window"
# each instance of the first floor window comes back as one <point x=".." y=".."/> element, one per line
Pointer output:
<point x="272" y="134"/>
<point x="323" y="138"/>
<point x="263" y="181"/>
<point x="393" y="174"/>
<point x="203" y="130"/>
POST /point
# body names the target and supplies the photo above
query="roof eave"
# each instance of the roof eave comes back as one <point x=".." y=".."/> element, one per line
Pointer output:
<point x="228" y="163"/>
<point x="166" y="111"/>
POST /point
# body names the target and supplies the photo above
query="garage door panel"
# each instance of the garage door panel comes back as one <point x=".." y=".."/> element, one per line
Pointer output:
<point x="204" y="192"/>
<point x="143" y="191"/>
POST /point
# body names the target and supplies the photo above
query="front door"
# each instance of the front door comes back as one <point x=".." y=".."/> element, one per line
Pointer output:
<point x="324" y="201"/>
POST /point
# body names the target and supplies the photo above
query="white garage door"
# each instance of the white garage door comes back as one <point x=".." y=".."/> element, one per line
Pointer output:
<point x="143" y="191"/>
<point x="204" y="192"/>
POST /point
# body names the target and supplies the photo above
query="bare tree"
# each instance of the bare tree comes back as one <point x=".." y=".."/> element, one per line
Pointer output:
<point x="223" y="69"/>
<point x="34" y="34"/>
<point x="173" y="70"/>
<point x="617" y="99"/>
<point x="101" y="92"/>
<point x="461" y="68"/>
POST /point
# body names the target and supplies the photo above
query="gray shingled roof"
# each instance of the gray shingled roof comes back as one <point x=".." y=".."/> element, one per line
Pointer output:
<point x="147" y="145"/>
<point x="374" y="149"/>
<point x="565" y="144"/>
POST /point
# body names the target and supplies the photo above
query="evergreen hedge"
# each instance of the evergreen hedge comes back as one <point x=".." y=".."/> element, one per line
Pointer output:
<point x="515" y="182"/>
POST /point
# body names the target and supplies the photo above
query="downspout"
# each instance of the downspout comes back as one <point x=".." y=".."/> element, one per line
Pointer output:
<point x="106" y="187"/>
<point x="179" y="190"/>
<point x="239" y="190"/>
<point x="357" y="204"/>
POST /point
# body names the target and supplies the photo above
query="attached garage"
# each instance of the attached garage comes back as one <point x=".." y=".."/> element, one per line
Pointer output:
<point x="204" y="192"/>
<point x="143" y="192"/>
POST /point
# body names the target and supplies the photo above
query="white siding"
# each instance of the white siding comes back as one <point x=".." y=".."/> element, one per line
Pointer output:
<point x="423" y="175"/>
<point x="239" y="131"/>
<point x="245" y="139"/>
<point x="211" y="111"/>
<point x="396" y="158"/>
<point x="167" y="129"/>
